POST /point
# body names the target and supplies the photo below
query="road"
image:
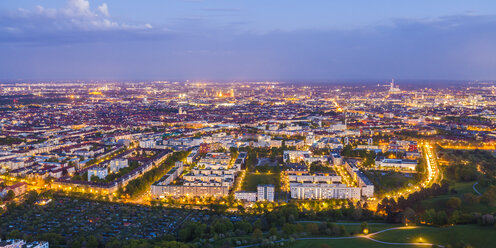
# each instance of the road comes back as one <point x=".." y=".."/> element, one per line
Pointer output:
<point x="431" y="166"/>
<point x="433" y="175"/>
<point x="475" y="189"/>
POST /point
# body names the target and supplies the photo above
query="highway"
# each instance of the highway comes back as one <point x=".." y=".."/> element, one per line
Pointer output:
<point x="431" y="166"/>
<point x="433" y="175"/>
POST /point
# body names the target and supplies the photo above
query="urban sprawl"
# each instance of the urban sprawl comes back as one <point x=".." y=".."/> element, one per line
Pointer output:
<point x="244" y="147"/>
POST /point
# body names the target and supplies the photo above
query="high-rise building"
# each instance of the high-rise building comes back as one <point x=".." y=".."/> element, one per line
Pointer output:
<point x="265" y="192"/>
<point x="392" y="88"/>
<point x="17" y="243"/>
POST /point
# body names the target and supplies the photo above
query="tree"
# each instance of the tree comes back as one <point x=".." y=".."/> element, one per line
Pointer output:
<point x="241" y="209"/>
<point x="364" y="227"/>
<point x="257" y="224"/>
<point x="257" y="234"/>
<point x="453" y="203"/>
<point x="489" y="196"/>
<point x="222" y="225"/>
<point x="92" y="241"/>
<point x="291" y="219"/>
<point x="31" y="197"/>
<point x="487" y="219"/>
<point x="10" y="195"/>
<point x="75" y="244"/>
<point x="313" y="228"/>
<point x="441" y="218"/>
<point x="429" y="216"/>
<point x="273" y="231"/>
<point x="408" y="216"/>
<point x="454" y="218"/>
<point x="470" y="199"/>
<point x="288" y="229"/>
<point x="192" y="231"/>
<point x="244" y="226"/>
<point x="357" y="213"/>
<point x="347" y="151"/>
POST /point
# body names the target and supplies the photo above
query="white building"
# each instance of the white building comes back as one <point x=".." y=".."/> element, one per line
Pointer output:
<point x="275" y="143"/>
<point x="246" y="196"/>
<point x="17" y="243"/>
<point x="295" y="143"/>
<point x="323" y="191"/>
<point x="192" y="156"/>
<point x="336" y="159"/>
<point x="365" y="184"/>
<point x="117" y="164"/>
<point x="313" y="178"/>
<point x="295" y="156"/>
<point x="337" y="127"/>
<point x="396" y="164"/>
<point x="149" y="143"/>
<point x="265" y="192"/>
<point x="100" y="172"/>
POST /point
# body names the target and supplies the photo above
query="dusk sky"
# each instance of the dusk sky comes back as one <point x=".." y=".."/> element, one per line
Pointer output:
<point x="247" y="40"/>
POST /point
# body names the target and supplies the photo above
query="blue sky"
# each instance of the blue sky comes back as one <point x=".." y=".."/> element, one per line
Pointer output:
<point x="247" y="40"/>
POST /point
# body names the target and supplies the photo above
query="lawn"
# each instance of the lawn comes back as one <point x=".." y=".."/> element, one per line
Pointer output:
<point x="351" y="227"/>
<point x="344" y="243"/>
<point x="477" y="236"/>
<point x="386" y="182"/>
<point x="253" y="179"/>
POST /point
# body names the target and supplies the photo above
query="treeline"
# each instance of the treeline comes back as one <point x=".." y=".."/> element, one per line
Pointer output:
<point x="466" y="164"/>
<point x="472" y="120"/>
<point x="282" y="222"/>
<point x="367" y="156"/>
<point x="253" y="154"/>
<point x="410" y="210"/>
<point x="396" y="211"/>
<point x="317" y="166"/>
<point x="92" y="241"/>
<point x="113" y="176"/>
<point x="11" y="140"/>
<point x="141" y="184"/>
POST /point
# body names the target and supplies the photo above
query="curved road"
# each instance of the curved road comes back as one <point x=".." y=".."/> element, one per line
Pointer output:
<point x="476" y="191"/>
<point x="369" y="237"/>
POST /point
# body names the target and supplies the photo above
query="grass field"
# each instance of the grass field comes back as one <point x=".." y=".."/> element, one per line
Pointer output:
<point x="390" y="181"/>
<point x="253" y="179"/>
<point x="343" y="243"/>
<point x="477" y="236"/>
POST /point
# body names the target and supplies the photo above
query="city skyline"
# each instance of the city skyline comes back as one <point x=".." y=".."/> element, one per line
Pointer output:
<point x="247" y="123"/>
<point x="235" y="40"/>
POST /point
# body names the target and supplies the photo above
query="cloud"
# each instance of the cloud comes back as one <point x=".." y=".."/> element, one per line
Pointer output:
<point x="76" y="20"/>
<point x="103" y="9"/>
<point x="450" y="47"/>
<point x="79" y="7"/>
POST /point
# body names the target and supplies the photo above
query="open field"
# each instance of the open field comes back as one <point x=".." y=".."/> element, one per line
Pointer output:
<point x="254" y="179"/>
<point x="389" y="181"/>
<point x="344" y="243"/>
<point x="477" y="236"/>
